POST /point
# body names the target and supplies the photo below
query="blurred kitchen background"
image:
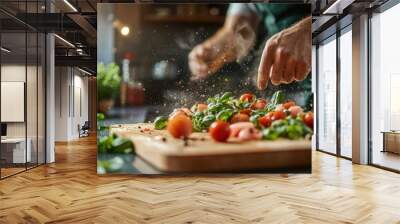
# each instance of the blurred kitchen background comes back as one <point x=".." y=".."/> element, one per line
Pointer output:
<point x="150" y="44"/>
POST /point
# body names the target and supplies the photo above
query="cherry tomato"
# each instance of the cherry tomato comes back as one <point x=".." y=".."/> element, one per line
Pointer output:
<point x="289" y="104"/>
<point x="179" y="126"/>
<point x="246" y="111"/>
<point x="247" y="97"/>
<point x="309" y="119"/>
<point x="265" y="121"/>
<point x="220" y="131"/>
<point x="201" y="107"/>
<point x="259" y="104"/>
<point x="295" y="110"/>
<point x="278" y="115"/>
<point x="239" y="117"/>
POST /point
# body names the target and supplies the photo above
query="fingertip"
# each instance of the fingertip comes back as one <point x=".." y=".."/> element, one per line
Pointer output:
<point x="261" y="83"/>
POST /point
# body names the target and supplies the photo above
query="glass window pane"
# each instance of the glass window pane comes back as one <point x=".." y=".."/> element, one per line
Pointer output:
<point x="31" y="97"/>
<point x="327" y="96"/>
<point x="14" y="153"/>
<point x="385" y="89"/>
<point x="41" y="99"/>
<point x="346" y="94"/>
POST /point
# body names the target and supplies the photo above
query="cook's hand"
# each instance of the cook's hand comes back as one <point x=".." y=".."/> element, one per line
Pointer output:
<point x="286" y="56"/>
<point x="207" y="58"/>
<point x="232" y="42"/>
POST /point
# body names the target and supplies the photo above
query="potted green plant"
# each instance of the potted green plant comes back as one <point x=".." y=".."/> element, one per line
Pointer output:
<point x="108" y="84"/>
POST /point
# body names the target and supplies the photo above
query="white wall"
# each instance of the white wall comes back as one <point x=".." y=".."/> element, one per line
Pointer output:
<point x="71" y="93"/>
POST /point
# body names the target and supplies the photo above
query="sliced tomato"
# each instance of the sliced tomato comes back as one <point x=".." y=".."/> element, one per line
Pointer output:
<point x="179" y="126"/>
<point x="265" y="121"/>
<point x="220" y="131"/>
<point x="289" y="104"/>
<point x="247" y="97"/>
<point x="309" y="119"/>
<point x="239" y="117"/>
<point x="278" y="115"/>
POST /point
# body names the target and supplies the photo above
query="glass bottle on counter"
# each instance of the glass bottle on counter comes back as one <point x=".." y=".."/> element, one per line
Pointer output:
<point x="132" y="90"/>
<point x="125" y="78"/>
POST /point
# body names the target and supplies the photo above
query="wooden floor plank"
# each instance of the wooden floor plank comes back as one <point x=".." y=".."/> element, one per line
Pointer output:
<point x="69" y="191"/>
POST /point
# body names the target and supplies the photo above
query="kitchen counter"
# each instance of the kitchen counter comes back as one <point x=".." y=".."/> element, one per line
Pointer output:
<point x="134" y="164"/>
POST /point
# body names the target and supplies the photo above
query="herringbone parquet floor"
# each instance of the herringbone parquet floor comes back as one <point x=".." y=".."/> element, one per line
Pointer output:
<point x="69" y="191"/>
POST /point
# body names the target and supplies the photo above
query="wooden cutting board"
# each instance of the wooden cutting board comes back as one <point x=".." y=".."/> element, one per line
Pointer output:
<point x="201" y="154"/>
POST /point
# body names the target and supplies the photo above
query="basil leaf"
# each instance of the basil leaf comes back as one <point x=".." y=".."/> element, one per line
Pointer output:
<point x="254" y="119"/>
<point x="277" y="98"/>
<point x="225" y="115"/>
<point x="269" y="134"/>
<point x="208" y="120"/>
<point x="160" y="122"/>
<point x="226" y="96"/>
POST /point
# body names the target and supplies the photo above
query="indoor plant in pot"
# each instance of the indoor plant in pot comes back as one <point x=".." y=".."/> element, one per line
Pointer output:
<point x="108" y="83"/>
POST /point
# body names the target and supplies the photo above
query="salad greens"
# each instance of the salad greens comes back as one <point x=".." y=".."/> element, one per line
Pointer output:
<point x="292" y="128"/>
<point x="111" y="165"/>
<point x="160" y="122"/>
<point x="224" y="107"/>
<point x="114" y="144"/>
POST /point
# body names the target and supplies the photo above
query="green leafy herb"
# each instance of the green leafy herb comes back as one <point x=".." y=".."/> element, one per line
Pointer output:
<point x="114" y="144"/>
<point x="277" y="98"/>
<point x="208" y="120"/>
<point x="109" y="166"/>
<point x="269" y="134"/>
<point x="108" y="81"/>
<point x="160" y="122"/>
<point x="225" y="115"/>
<point x="254" y="119"/>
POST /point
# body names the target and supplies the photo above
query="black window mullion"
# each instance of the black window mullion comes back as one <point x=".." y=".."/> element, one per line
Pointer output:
<point x="26" y="86"/>
<point x="37" y="90"/>
<point x="316" y="97"/>
<point x="1" y="166"/>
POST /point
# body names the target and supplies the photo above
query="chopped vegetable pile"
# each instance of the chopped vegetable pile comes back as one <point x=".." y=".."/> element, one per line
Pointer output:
<point x="115" y="144"/>
<point x="244" y="118"/>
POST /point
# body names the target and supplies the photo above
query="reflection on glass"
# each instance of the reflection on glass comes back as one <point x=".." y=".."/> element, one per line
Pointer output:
<point x="15" y="151"/>
<point x="346" y="94"/>
<point x="385" y="84"/>
<point x="327" y="97"/>
<point x="31" y="98"/>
